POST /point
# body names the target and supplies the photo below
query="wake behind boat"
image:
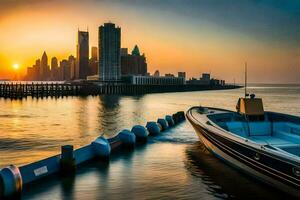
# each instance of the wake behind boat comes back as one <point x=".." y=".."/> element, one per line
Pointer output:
<point x="263" y="144"/>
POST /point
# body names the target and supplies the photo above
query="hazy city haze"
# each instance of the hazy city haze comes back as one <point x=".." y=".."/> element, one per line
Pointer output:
<point x="193" y="36"/>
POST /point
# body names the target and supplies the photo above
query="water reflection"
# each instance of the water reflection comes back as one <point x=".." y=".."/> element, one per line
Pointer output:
<point x="109" y="114"/>
<point x="223" y="181"/>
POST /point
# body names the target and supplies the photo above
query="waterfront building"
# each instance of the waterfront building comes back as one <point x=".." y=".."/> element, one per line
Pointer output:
<point x="205" y="77"/>
<point x="134" y="63"/>
<point x="109" y="52"/>
<point x="169" y="75"/>
<point x="182" y="75"/>
<point x="204" y="80"/>
<point x="82" y="66"/>
<point x="156" y="73"/>
<point x="152" y="80"/>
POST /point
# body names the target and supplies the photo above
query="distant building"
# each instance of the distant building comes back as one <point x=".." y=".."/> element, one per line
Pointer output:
<point x="206" y="80"/>
<point x="44" y="68"/>
<point x="72" y="63"/>
<point x="169" y="75"/>
<point x="31" y="74"/>
<point x="93" y="62"/>
<point x="151" y="80"/>
<point x="54" y="63"/>
<point x="134" y="63"/>
<point x="109" y="52"/>
<point x="124" y="51"/>
<point x="156" y="73"/>
<point x="65" y="70"/>
<point x="182" y="75"/>
<point x="82" y="66"/>
<point x="37" y="68"/>
<point x="54" y="69"/>
<point x="94" y="53"/>
<point x="205" y="77"/>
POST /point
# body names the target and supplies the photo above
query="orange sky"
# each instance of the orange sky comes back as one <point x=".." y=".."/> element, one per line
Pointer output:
<point x="171" y="42"/>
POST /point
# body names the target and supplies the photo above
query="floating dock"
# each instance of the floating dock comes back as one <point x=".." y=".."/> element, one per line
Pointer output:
<point x="13" y="178"/>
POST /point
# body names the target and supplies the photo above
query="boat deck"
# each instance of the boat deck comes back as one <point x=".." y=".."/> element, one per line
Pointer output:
<point x="281" y="133"/>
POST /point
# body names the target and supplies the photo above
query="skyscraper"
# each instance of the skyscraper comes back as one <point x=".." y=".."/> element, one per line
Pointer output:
<point x="109" y="52"/>
<point x="93" y="64"/>
<point x="37" y="67"/>
<point x="44" y="70"/>
<point x="54" y="69"/>
<point x="82" y="66"/>
<point x="54" y="63"/>
<point x="94" y="53"/>
<point x="72" y="63"/>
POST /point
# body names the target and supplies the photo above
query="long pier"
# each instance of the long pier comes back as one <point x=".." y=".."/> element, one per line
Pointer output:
<point x="40" y="90"/>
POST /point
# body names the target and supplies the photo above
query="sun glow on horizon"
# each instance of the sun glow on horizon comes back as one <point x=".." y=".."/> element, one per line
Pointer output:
<point x="16" y="66"/>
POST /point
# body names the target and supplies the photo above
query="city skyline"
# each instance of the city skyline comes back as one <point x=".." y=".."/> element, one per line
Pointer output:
<point x="268" y="40"/>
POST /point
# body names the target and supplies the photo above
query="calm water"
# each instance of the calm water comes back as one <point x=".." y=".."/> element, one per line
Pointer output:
<point x="172" y="165"/>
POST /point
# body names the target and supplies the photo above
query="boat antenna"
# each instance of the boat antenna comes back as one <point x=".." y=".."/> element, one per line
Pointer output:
<point x="246" y="80"/>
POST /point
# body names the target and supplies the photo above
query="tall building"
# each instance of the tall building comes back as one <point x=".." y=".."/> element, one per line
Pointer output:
<point x="109" y="52"/>
<point x="44" y="69"/>
<point x="82" y="66"/>
<point x="93" y="62"/>
<point x="72" y="63"/>
<point x="37" y="67"/>
<point x="94" y="53"/>
<point x="65" y="69"/>
<point x="54" y="63"/>
<point x="134" y="64"/>
<point x="54" y="69"/>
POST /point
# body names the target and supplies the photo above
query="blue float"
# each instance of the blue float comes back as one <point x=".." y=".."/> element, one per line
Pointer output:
<point x="181" y="116"/>
<point x="101" y="147"/>
<point x="11" y="181"/>
<point x="127" y="138"/>
<point x="163" y="123"/>
<point x="140" y="132"/>
<point x="153" y="128"/>
<point x="175" y="118"/>
<point x="170" y="120"/>
<point x="13" y="178"/>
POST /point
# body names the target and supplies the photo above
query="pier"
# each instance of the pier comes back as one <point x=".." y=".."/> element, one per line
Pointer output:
<point x="40" y="90"/>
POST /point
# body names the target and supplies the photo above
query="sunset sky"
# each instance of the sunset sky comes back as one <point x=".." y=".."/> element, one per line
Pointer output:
<point x="176" y="35"/>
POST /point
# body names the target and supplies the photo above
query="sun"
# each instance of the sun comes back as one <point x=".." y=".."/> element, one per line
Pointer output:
<point x="16" y="66"/>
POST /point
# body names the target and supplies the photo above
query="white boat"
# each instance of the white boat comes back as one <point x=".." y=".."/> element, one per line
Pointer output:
<point x="263" y="144"/>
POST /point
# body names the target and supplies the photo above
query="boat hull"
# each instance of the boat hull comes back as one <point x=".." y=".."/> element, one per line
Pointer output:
<point x="244" y="159"/>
